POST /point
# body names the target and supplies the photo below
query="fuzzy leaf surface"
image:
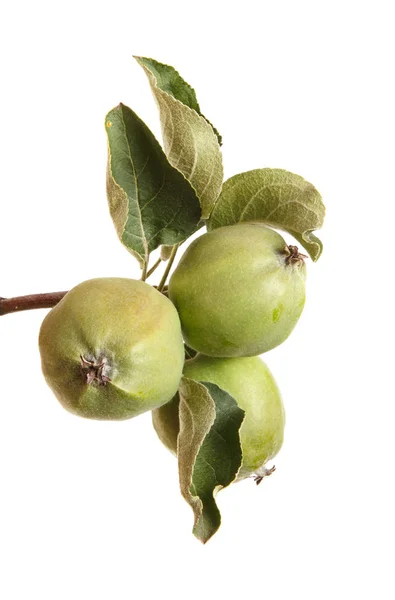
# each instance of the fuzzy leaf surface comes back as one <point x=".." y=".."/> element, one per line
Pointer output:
<point x="151" y="203"/>
<point x="209" y="450"/>
<point x="276" y="198"/>
<point x="170" y="81"/>
<point x="191" y="143"/>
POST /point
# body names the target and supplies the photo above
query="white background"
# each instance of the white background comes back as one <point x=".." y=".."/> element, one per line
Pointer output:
<point x="92" y="511"/>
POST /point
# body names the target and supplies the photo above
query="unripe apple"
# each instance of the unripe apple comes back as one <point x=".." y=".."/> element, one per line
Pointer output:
<point x="112" y="349"/>
<point x="253" y="387"/>
<point x="239" y="291"/>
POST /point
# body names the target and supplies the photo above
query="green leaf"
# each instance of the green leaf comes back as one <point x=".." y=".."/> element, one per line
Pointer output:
<point x="170" y="81"/>
<point x="151" y="202"/>
<point x="191" y="143"/>
<point x="275" y="197"/>
<point x="209" y="451"/>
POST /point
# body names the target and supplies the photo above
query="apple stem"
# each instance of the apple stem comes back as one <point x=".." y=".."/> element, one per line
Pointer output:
<point x="168" y="267"/>
<point x="32" y="301"/>
<point x="154" y="267"/>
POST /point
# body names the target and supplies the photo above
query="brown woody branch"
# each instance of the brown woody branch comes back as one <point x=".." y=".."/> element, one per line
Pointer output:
<point x="32" y="301"/>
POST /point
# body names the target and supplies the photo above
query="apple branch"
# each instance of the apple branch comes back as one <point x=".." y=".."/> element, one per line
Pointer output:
<point x="32" y="301"/>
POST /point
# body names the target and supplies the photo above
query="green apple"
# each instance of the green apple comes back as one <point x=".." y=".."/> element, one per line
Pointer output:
<point x="239" y="291"/>
<point x="253" y="387"/>
<point x="112" y="349"/>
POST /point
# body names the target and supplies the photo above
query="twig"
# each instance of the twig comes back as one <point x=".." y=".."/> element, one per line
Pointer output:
<point x="168" y="267"/>
<point x="32" y="301"/>
<point x="154" y="267"/>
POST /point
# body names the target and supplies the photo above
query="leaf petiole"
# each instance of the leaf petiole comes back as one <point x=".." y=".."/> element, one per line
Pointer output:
<point x="144" y="272"/>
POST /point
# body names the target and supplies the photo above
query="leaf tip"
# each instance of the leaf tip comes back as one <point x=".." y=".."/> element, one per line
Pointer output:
<point x="312" y="244"/>
<point x="315" y="256"/>
<point x="202" y="540"/>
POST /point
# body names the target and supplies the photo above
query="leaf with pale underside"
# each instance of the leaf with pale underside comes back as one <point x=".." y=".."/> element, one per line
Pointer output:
<point x="190" y="141"/>
<point x="170" y="81"/>
<point x="276" y="198"/>
<point x="208" y="450"/>
<point x="151" y="202"/>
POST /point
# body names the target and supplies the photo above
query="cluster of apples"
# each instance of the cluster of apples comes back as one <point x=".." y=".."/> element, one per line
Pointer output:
<point x="114" y="348"/>
<point x="189" y="351"/>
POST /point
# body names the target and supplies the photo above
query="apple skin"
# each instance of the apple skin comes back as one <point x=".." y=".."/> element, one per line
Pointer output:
<point x="237" y="292"/>
<point x="252" y="385"/>
<point x="132" y="334"/>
